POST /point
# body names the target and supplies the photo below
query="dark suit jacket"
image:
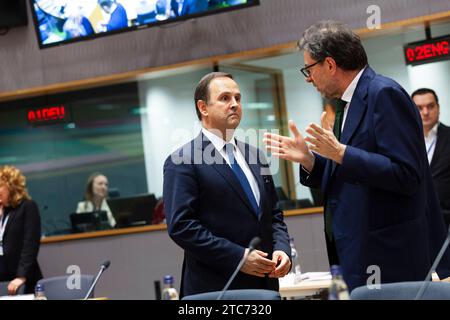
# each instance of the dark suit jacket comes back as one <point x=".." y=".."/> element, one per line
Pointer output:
<point x="385" y="210"/>
<point x="209" y="216"/>
<point x="440" y="169"/>
<point x="21" y="242"/>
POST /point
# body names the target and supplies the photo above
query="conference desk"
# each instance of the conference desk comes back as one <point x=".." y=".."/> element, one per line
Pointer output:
<point x="142" y="255"/>
<point x="150" y="228"/>
<point x="304" y="289"/>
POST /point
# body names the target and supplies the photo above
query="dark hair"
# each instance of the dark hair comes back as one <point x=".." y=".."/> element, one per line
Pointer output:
<point x="202" y="89"/>
<point x="422" y="91"/>
<point x="336" y="40"/>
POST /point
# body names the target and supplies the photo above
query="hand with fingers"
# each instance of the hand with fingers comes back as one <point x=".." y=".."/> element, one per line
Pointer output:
<point x="288" y="148"/>
<point x="282" y="262"/>
<point x="14" y="285"/>
<point x="257" y="264"/>
<point x="323" y="141"/>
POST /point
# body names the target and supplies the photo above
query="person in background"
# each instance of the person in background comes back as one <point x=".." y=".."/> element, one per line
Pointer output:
<point x="115" y="16"/>
<point x="76" y="25"/>
<point x="437" y="142"/>
<point x="20" y="232"/>
<point x="220" y="196"/>
<point x="95" y="197"/>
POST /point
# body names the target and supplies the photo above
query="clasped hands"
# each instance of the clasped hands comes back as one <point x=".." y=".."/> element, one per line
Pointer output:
<point x="320" y="139"/>
<point x="258" y="265"/>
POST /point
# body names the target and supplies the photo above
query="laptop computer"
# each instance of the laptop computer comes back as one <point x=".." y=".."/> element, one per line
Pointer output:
<point x="132" y="211"/>
<point x="89" y="221"/>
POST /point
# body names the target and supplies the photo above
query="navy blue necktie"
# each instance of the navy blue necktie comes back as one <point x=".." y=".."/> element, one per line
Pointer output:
<point x="241" y="177"/>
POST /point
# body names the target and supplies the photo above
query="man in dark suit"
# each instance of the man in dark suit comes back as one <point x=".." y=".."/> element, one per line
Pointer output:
<point x="381" y="211"/>
<point x="218" y="195"/>
<point x="437" y="142"/>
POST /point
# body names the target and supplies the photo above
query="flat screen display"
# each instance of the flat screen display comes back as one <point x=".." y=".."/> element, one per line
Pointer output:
<point x="63" y="21"/>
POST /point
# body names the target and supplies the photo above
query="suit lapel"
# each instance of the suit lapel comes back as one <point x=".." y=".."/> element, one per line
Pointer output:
<point x="357" y="107"/>
<point x="440" y="143"/>
<point x="11" y="218"/>
<point x="220" y="165"/>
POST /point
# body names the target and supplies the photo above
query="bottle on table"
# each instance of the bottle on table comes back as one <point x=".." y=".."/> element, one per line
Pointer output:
<point x="39" y="292"/>
<point x="169" y="292"/>
<point x="338" y="289"/>
<point x="295" y="272"/>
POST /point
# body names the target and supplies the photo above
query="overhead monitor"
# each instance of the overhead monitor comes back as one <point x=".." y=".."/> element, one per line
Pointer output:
<point x="63" y="21"/>
<point x="13" y="13"/>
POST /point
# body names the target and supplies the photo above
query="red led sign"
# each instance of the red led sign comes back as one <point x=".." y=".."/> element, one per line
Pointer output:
<point x="432" y="50"/>
<point x="47" y="115"/>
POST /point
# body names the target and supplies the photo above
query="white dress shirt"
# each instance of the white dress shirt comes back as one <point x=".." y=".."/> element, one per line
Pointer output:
<point x="219" y="144"/>
<point x="348" y="95"/>
<point x="430" y="142"/>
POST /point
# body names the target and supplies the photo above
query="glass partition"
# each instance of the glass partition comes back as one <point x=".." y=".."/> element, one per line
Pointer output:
<point x="126" y="131"/>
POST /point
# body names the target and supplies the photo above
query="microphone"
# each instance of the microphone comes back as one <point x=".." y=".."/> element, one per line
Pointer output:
<point x="103" y="267"/>
<point x="426" y="282"/>
<point x="252" y="246"/>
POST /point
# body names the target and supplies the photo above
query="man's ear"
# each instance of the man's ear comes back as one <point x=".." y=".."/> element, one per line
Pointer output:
<point x="201" y="106"/>
<point x="331" y="64"/>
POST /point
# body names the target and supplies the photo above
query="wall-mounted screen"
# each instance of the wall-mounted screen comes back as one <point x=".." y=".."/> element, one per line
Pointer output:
<point x="13" y="13"/>
<point x="63" y="21"/>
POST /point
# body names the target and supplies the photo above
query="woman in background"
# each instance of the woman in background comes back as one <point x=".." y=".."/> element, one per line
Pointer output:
<point x="20" y="232"/>
<point x="95" y="197"/>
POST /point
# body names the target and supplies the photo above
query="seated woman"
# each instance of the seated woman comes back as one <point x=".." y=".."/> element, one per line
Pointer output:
<point x="20" y="232"/>
<point x="95" y="197"/>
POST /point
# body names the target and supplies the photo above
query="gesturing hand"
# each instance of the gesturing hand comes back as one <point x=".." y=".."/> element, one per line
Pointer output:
<point x="293" y="149"/>
<point x="322" y="141"/>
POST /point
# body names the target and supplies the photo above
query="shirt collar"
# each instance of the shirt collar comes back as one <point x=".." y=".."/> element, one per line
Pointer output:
<point x="217" y="142"/>
<point x="348" y="93"/>
<point x="433" y="132"/>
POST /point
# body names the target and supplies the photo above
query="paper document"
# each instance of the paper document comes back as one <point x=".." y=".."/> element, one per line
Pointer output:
<point x="316" y="276"/>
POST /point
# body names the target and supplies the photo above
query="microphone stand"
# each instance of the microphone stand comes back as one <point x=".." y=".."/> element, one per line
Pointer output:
<point x="426" y="283"/>
<point x="241" y="263"/>
<point x="252" y="246"/>
<point x="102" y="268"/>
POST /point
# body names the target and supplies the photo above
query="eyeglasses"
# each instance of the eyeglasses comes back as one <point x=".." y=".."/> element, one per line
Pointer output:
<point x="305" y="69"/>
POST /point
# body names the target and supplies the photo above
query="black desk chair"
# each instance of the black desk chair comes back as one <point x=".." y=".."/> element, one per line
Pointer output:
<point x="4" y="288"/>
<point x="56" y="288"/>
<point x="403" y="291"/>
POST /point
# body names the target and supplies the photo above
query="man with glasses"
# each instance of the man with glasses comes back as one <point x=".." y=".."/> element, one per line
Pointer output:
<point x="381" y="212"/>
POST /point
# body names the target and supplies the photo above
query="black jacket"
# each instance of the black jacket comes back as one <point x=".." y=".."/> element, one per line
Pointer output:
<point x="440" y="169"/>
<point x="21" y="242"/>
